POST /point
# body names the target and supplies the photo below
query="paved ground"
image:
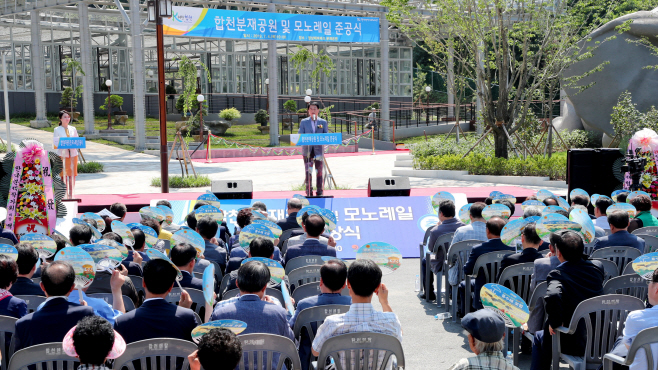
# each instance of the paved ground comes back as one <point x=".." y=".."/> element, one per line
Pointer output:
<point x="129" y="172"/>
<point x="428" y="343"/>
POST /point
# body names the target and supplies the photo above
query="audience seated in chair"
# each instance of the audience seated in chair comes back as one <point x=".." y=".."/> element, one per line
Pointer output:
<point x="572" y="282"/>
<point x="219" y="349"/>
<point x="619" y="237"/>
<point x="363" y="280"/>
<point x="183" y="255"/>
<point x="314" y="226"/>
<point x="636" y="322"/>
<point x="119" y="210"/>
<point x="290" y="222"/>
<point x="156" y="318"/>
<point x="600" y="210"/>
<point x="551" y="201"/>
<point x="447" y="224"/>
<point x="261" y="208"/>
<point x="238" y="254"/>
<point x="243" y="219"/>
<point x="10" y="305"/>
<point x="542" y="267"/>
<point x="476" y="230"/>
<point x="297" y="240"/>
<point x="493" y="229"/>
<point x="253" y="306"/>
<point x="215" y="248"/>
<point x="643" y="218"/>
<point x="155" y="225"/>
<point x="486" y="338"/>
<point x="259" y="247"/>
<point x="27" y="266"/>
<point x="333" y="275"/>
<point x="58" y="315"/>
<point x="137" y="254"/>
<point x="80" y="234"/>
<point x="530" y="252"/>
<point x="173" y="227"/>
<point x="114" y="240"/>
<point x="102" y="284"/>
<point x="191" y="221"/>
<point x="94" y="342"/>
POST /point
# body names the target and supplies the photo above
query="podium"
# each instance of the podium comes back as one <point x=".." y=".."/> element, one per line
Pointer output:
<point x="319" y="139"/>
<point x="71" y="143"/>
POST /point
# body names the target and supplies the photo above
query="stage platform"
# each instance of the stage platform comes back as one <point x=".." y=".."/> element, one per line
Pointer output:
<point x="96" y="202"/>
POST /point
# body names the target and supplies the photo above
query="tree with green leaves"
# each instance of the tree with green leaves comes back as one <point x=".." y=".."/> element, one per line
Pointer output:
<point x="320" y="63"/>
<point x="187" y="70"/>
<point x="522" y="46"/>
<point x="70" y="95"/>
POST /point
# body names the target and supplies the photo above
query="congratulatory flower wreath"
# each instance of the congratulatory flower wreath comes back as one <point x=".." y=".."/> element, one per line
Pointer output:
<point x="31" y="189"/>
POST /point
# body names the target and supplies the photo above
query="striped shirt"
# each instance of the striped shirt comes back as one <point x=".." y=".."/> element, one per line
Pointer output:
<point x="361" y="317"/>
<point x="484" y="361"/>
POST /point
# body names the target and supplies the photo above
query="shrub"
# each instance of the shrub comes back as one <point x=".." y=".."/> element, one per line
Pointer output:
<point x="261" y="117"/>
<point x="290" y="106"/>
<point x="482" y="164"/>
<point x="579" y="139"/>
<point x="184" y="182"/>
<point x="303" y="110"/>
<point x="116" y="100"/>
<point x="90" y="167"/>
<point x="68" y="98"/>
<point x="230" y="114"/>
<point x="170" y="90"/>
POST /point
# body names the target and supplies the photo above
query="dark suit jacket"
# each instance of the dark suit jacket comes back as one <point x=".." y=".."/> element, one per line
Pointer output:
<point x="492" y="245"/>
<point x="50" y="323"/>
<point x="311" y="247"/>
<point x="156" y="319"/>
<point x="289" y="222"/>
<point x="543" y="246"/>
<point x="216" y="253"/>
<point x="568" y="285"/>
<point x="101" y="284"/>
<point x="448" y="226"/>
<point x="25" y="286"/>
<point x="526" y="255"/>
<point x="133" y="268"/>
<point x="233" y="278"/>
<point x="189" y="281"/>
<point x="621" y="238"/>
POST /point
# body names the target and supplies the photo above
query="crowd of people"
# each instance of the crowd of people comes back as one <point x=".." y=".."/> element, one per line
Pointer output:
<point x="571" y="275"/>
<point x="96" y="331"/>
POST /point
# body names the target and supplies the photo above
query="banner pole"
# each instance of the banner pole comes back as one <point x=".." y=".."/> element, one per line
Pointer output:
<point x="372" y="136"/>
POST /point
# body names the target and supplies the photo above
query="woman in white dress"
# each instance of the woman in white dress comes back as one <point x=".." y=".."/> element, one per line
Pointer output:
<point x="69" y="156"/>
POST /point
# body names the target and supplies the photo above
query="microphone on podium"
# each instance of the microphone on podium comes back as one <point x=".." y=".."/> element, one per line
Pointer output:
<point x="315" y="117"/>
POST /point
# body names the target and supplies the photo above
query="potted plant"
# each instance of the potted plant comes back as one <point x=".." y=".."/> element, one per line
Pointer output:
<point x="70" y="96"/>
<point x="187" y="101"/>
<point x="68" y="103"/>
<point x="229" y="114"/>
<point x="116" y="101"/>
<point x="291" y="107"/>
<point x="262" y="117"/>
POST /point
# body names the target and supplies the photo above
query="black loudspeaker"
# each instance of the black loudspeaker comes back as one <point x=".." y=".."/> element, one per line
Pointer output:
<point x="389" y="186"/>
<point x="597" y="171"/>
<point x="233" y="189"/>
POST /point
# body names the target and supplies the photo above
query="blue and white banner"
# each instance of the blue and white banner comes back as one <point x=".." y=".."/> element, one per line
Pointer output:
<point x="237" y="24"/>
<point x="316" y="139"/>
<point x="72" y="143"/>
<point x="400" y="221"/>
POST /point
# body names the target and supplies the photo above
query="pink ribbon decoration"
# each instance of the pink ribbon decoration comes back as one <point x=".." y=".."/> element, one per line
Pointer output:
<point x="28" y="154"/>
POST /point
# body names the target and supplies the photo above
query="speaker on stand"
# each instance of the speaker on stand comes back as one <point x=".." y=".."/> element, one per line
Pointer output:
<point x="233" y="189"/>
<point x="597" y="171"/>
<point x="394" y="186"/>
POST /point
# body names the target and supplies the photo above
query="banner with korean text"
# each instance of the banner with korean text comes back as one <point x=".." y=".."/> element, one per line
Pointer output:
<point x="400" y="221"/>
<point x="235" y="24"/>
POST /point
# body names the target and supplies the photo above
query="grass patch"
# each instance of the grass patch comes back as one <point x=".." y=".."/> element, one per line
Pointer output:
<point x="90" y="167"/>
<point x="183" y="182"/>
<point x="302" y="187"/>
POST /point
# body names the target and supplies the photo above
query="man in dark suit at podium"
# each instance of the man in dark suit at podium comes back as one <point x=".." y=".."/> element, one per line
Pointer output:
<point x="313" y="124"/>
<point x="58" y="315"/>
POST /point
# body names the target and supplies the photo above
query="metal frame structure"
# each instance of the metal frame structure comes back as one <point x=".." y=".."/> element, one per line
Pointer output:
<point x="115" y="43"/>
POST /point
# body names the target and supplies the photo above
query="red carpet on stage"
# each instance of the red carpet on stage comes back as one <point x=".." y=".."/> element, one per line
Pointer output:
<point x="281" y="157"/>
